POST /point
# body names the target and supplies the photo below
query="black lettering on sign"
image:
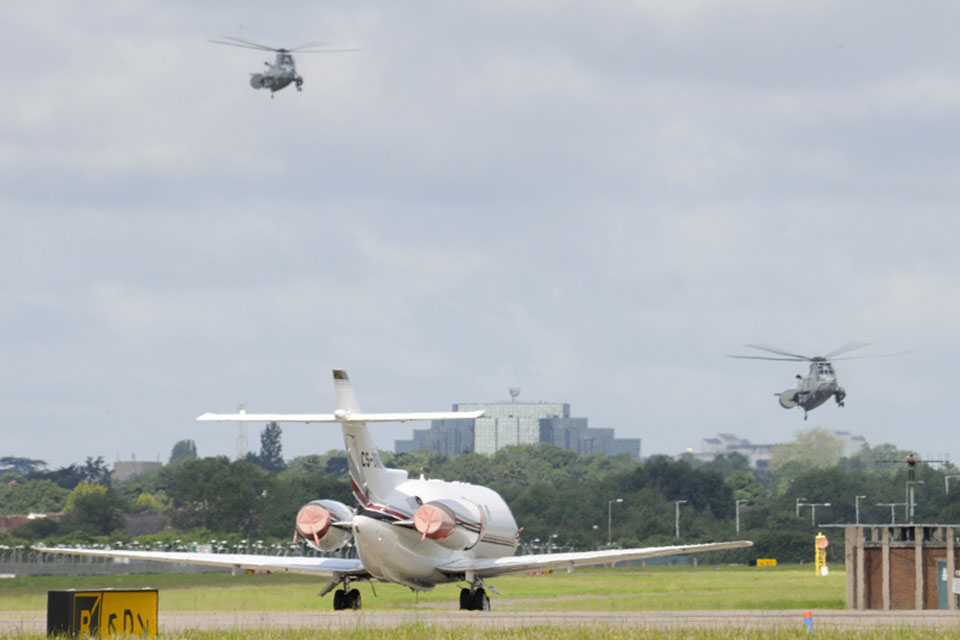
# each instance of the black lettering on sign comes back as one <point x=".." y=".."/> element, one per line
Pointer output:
<point x="144" y="627"/>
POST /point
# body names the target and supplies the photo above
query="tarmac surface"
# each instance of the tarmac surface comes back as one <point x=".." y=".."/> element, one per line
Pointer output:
<point x="35" y="621"/>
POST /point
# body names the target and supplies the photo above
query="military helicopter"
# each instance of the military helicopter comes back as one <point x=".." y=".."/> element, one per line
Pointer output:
<point x="283" y="71"/>
<point x="821" y="382"/>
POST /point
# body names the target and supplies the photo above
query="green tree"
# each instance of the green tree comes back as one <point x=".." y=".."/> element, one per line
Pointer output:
<point x="33" y="496"/>
<point x="92" y="509"/>
<point x="23" y="466"/>
<point x="815" y="448"/>
<point x="271" y="456"/>
<point x="745" y="486"/>
<point x="219" y="495"/>
<point x="146" y="502"/>
<point x="183" y="450"/>
<point x="96" y="471"/>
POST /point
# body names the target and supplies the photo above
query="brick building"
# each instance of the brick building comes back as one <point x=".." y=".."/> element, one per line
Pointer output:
<point x="902" y="566"/>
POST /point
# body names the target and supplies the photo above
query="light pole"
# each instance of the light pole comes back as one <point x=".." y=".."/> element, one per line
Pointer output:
<point x="677" y="504"/>
<point x="946" y="483"/>
<point x="857" y="506"/>
<point x="813" y="510"/>
<point x="892" y="505"/>
<point x="739" y="502"/>
<point x="610" y="520"/>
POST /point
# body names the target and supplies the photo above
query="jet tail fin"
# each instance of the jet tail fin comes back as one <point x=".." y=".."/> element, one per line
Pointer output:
<point x="371" y="480"/>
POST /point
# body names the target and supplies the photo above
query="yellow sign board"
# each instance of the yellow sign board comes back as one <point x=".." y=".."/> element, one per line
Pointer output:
<point x="103" y="613"/>
<point x="766" y="562"/>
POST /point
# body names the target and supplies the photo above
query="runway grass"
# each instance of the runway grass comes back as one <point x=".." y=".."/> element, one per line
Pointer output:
<point x="419" y="632"/>
<point x="647" y="589"/>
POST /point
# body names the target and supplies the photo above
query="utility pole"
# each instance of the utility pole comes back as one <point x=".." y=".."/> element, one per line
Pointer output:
<point x="677" y="504"/>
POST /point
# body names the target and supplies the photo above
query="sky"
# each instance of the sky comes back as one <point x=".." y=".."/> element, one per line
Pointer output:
<point x="596" y="202"/>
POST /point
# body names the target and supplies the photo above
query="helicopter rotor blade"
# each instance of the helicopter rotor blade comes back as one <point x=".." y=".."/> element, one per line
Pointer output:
<point x="796" y="356"/>
<point x="850" y="346"/>
<point x="768" y="358"/>
<point x="299" y="51"/>
<point x="308" y="45"/>
<point x="250" y="43"/>
<point x="242" y="46"/>
<point x="879" y="355"/>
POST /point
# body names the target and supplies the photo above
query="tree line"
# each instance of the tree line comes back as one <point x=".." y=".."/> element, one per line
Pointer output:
<point x="560" y="499"/>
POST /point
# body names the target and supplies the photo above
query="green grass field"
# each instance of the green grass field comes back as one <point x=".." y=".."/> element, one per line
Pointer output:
<point x="653" y="588"/>
<point x="648" y="589"/>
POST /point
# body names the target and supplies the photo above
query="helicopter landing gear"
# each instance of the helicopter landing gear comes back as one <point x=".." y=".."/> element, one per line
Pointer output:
<point x="299" y="83"/>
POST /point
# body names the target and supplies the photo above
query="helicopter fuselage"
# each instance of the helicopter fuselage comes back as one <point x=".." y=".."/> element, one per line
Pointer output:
<point x="815" y="389"/>
<point x="278" y="75"/>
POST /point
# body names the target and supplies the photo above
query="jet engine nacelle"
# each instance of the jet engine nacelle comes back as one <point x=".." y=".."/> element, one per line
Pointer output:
<point x="788" y="399"/>
<point x="317" y="523"/>
<point x="450" y="523"/>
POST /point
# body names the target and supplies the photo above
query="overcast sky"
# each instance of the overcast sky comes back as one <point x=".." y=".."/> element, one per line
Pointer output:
<point x="593" y="201"/>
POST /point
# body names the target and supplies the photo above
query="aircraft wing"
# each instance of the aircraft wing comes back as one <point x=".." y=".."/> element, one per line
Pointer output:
<point x="279" y="564"/>
<point x="489" y="567"/>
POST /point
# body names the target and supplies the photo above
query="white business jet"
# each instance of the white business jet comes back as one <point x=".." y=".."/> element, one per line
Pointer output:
<point x="418" y="533"/>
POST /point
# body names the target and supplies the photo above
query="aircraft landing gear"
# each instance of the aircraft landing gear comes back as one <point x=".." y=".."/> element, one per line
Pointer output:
<point x="299" y="83"/>
<point x="474" y="600"/>
<point x="343" y="599"/>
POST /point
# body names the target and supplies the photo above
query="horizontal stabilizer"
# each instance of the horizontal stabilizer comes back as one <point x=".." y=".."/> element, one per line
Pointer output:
<point x="340" y="416"/>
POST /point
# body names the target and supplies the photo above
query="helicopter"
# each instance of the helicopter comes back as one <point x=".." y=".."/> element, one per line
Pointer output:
<point x="821" y="382"/>
<point x="283" y="71"/>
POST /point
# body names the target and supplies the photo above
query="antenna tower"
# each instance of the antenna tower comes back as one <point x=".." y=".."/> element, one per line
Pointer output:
<point x="514" y="392"/>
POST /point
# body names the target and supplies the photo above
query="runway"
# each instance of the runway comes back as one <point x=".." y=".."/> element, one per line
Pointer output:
<point x="35" y="621"/>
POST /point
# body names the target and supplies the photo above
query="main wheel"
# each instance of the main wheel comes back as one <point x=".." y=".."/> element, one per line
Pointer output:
<point x="352" y="599"/>
<point x="481" y="601"/>
<point x="339" y="597"/>
<point x="466" y="601"/>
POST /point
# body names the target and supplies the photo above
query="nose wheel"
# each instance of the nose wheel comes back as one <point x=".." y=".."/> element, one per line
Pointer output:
<point x="299" y="83"/>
